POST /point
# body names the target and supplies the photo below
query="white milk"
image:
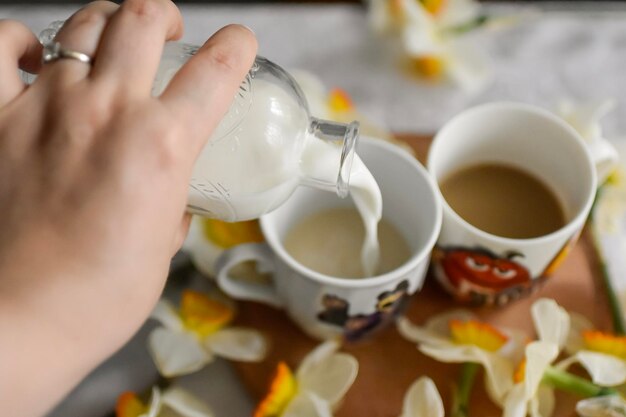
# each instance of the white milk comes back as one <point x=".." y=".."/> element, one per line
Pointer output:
<point x="320" y="160"/>
<point x="239" y="174"/>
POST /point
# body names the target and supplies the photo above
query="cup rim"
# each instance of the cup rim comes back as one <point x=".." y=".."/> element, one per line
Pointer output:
<point x="416" y="258"/>
<point x="567" y="228"/>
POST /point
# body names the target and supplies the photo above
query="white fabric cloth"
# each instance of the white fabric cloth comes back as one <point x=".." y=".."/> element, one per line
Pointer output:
<point x="576" y="51"/>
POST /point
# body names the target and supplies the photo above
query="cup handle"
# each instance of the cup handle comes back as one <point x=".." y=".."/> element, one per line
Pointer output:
<point x="604" y="156"/>
<point x="262" y="254"/>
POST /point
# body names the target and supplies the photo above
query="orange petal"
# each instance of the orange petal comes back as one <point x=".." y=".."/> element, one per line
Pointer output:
<point x="434" y="7"/>
<point x="282" y="389"/>
<point x="608" y="343"/>
<point x="129" y="405"/>
<point x="472" y="332"/>
<point x="204" y="315"/>
<point x="339" y="101"/>
<point x="226" y="235"/>
<point x="520" y="372"/>
<point x="428" y="66"/>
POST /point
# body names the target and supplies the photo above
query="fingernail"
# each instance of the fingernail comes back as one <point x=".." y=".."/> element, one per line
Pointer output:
<point x="249" y="28"/>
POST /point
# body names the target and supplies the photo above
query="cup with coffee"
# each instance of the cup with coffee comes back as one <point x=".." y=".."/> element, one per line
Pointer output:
<point x="314" y="248"/>
<point x="517" y="184"/>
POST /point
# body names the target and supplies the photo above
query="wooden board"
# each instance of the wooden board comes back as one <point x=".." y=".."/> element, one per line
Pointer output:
<point x="389" y="364"/>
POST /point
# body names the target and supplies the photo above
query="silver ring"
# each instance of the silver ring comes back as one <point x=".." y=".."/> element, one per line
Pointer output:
<point x="53" y="51"/>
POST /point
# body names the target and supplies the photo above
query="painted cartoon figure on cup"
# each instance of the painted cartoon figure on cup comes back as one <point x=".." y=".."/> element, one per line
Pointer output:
<point x="389" y="304"/>
<point x="480" y="276"/>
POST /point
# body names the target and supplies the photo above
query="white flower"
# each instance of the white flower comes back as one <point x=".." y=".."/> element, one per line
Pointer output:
<point x="602" y="354"/>
<point x="422" y="400"/>
<point x="192" y="337"/>
<point x="528" y="395"/>
<point x="585" y="118"/>
<point x="606" y="406"/>
<point x="458" y="337"/>
<point x="176" y="400"/>
<point x="209" y="238"/>
<point x="432" y="37"/>
<point x="319" y="384"/>
<point x="610" y="208"/>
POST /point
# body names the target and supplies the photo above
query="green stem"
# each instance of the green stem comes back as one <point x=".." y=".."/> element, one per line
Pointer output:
<point x="574" y="384"/>
<point x="462" y="393"/>
<point x="617" y="316"/>
<point x="466" y="27"/>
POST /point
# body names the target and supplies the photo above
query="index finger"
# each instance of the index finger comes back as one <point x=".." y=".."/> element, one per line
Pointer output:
<point x="201" y="92"/>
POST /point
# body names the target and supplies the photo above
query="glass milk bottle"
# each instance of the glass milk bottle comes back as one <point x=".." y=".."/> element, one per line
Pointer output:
<point x="265" y="146"/>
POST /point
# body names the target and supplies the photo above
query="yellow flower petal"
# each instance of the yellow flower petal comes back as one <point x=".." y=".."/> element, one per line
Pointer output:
<point x="339" y="101"/>
<point x="282" y="390"/>
<point x="606" y="406"/>
<point x="226" y="235"/>
<point x="129" y="405"/>
<point x="515" y="404"/>
<point x="423" y="400"/>
<point x="499" y="370"/>
<point x="546" y="401"/>
<point x="551" y="321"/>
<point x="204" y="315"/>
<point x="166" y="314"/>
<point x="605" y="370"/>
<point x="176" y="353"/>
<point x="419" y="334"/>
<point x="473" y="332"/>
<point x="607" y="343"/>
<point x="185" y="404"/>
<point x="578" y="325"/>
<point x="238" y="344"/>
<point x="331" y="378"/>
<point x="326" y="373"/>
<point x="539" y="355"/>
<point x="520" y="372"/>
<point x="434" y="7"/>
<point x="430" y="67"/>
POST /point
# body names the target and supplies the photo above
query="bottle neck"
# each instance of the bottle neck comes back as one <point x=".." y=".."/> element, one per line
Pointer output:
<point x="327" y="158"/>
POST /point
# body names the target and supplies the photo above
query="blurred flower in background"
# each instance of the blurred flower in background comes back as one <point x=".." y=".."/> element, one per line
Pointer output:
<point x="192" y="336"/>
<point x="173" y="402"/>
<point x="315" y="389"/>
<point x="422" y="400"/>
<point x="434" y="38"/>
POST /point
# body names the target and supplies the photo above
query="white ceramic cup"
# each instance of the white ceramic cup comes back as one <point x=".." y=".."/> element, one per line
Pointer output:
<point x="326" y="306"/>
<point x="483" y="268"/>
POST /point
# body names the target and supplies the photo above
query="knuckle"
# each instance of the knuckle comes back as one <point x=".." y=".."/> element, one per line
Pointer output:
<point x="148" y="10"/>
<point x="86" y="17"/>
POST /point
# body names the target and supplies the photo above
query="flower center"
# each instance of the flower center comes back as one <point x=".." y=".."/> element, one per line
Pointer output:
<point x="204" y="315"/>
<point x="282" y="390"/>
<point x="226" y="235"/>
<point x="129" y="405"/>
<point x="428" y="66"/>
<point x="396" y="11"/>
<point x="472" y="332"/>
<point x="433" y="7"/>
<point x="616" y="177"/>
<point x="520" y="372"/>
<point x="605" y="343"/>
<point x="339" y="101"/>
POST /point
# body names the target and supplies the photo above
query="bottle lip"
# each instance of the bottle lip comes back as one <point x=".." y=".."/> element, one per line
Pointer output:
<point x="350" y="140"/>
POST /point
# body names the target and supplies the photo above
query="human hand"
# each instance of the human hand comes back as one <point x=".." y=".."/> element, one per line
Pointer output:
<point x="93" y="185"/>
